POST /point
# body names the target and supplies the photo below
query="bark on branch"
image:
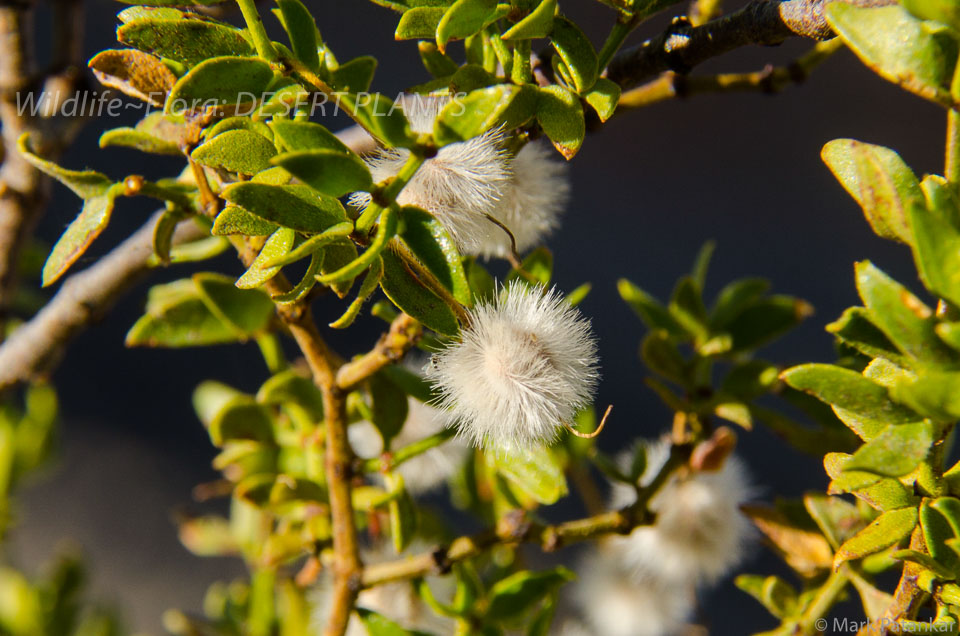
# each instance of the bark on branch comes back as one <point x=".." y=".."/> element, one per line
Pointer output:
<point x="765" y="22"/>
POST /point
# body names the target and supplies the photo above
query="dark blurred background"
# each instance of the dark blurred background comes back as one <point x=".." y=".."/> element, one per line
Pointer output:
<point x="648" y="190"/>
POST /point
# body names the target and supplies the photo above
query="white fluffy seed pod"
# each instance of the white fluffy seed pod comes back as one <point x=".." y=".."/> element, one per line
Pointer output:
<point x="699" y="534"/>
<point x="425" y="471"/>
<point x="467" y="181"/>
<point x="526" y="363"/>
<point x="615" y="603"/>
<point x="532" y="201"/>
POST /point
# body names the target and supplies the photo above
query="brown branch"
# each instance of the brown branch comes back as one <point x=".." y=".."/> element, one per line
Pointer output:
<point x="682" y="46"/>
<point x="771" y="79"/>
<point x="403" y="335"/>
<point x="84" y="298"/>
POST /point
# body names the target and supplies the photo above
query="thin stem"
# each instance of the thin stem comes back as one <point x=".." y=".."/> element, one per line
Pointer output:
<point x="261" y="40"/>
<point x="404" y="334"/>
<point x="390" y="461"/>
<point x="951" y="170"/>
<point x="619" y="32"/>
<point x="389" y="194"/>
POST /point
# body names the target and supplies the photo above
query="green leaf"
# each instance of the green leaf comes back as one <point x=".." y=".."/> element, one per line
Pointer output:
<point x="734" y="299"/>
<point x="848" y="391"/>
<point x="241" y="418"/>
<point x="247" y="311"/>
<point x="388" y="407"/>
<point x="937" y="530"/>
<point x="603" y="97"/>
<point x="78" y="236"/>
<point x="837" y="518"/>
<point x="330" y="172"/>
<point x="774" y="593"/>
<point x="412" y="298"/>
<point x="437" y="64"/>
<point x="174" y="3"/>
<point x="536" y="24"/>
<point x="650" y="311"/>
<point x="86" y="184"/>
<point x="379" y="625"/>
<point x="899" y="48"/>
<point x="369" y="285"/>
<point x="134" y="73"/>
<point x="235" y="220"/>
<point x="386" y="229"/>
<point x="139" y="140"/>
<point x="561" y="117"/>
<point x="661" y="356"/>
<point x="432" y="245"/>
<point x="475" y="114"/>
<point x="336" y="256"/>
<point x="188" y="41"/>
<point x="354" y="76"/>
<point x="304" y="135"/>
<point x="936" y="252"/>
<point x="895" y="452"/>
<point x="290" y="386"/>
<point x="906" y="321"/>
<point x="297" y="207"/>
<point x="520" y="592"/>
<point x="941" y="198"/>
<point x="538" y="265"/>
<point x="943" y="11"/>
<point x="766" y="319"/>
<point x="854" y="329"/>
<point x="219" y="82"/>
<point x="464" y="18"/>
<point x="302" y="31"/>
<point x="239" y="151"/>
<point x="419" y="23"/>
<point x="380" y="117"/>
<point x="535" y="472"/>
<point x="879" y="180"/>
<point x="886" y="530"/>
<point x="279" y="244"/>
<point x="687" y="307"/>
<point x="935" y="395"/>
<point x="576" y="51"/>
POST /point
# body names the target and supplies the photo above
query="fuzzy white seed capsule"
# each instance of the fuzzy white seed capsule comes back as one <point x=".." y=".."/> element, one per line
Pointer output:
<point x="467" y="182"/>
<point x="700" y="533"/>
<point x="526" y="363"/>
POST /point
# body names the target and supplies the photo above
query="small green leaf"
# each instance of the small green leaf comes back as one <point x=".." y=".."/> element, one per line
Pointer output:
<point x="734" y="299"/>
<point x="849" y="391"/>
<point x="576" y="51"/>
<point x="302" y="30"/>
<point x="386" y="229"/>
<point x="304" y="135"/>
<point x="899" y="47"/>
<point x="650" y="311"/>
<point x="379" y="625"/>
<point x="774" y="593"/>
<point x="937" y="530"/>
<point x="138" y="140"/>
<point x="906" y="321"/>
<point x="475" y="114"/>
<point x="941" y="198"/>
<point x="297" y="207"/>
<point x="336" y="257"/>
<point x="78" y="236"/>
<point x="538" y="266"/>
<point x="241" y="418"/>
<point x="354" y="76"/>
<point x="686" y="307"/>
<point x="936" y="252"/>
<point x="463" y="19"/>
<point x="219" y="82"/>
<point x="369" y="285"/>
<point x="886" y="530"/>
<point x="188" y="41"/>
<point x="520" y="592"/>
<point x="935" y="395"/>
<point x="432" y="245"/>
<point x="403" y="512"/>
<point x="895" y="452"/>
<point x="291" y="386"/>
<point x="603" y="97"/>
<point x="537" y="24"/>
<point x="561" y="117"/>
<point x="235" y="220"/>
<point x="380" y="117"/>
<point x="419" y="23"/>
<point x="279" y="244"/>
<point x="330" y="172"/>
<point x="854" y="329"/>
<point x="388" y="408"/>
<point x="238" y="151"/>
<point x="837" y="518"/>
<point x="247" y="311"/>
<point x="86" y="184"/>
<point x="536" y="473"/>
<point x="437" y="64"/>
<point x="134" y="73"/>
<point x="412" y="298"/>
<point x="879" y="180"/>
<point x="766" y="319"/>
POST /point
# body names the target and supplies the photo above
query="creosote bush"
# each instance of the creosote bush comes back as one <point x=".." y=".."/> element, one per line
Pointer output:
<point x="409" y="216"/>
